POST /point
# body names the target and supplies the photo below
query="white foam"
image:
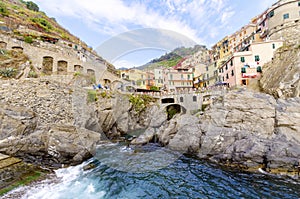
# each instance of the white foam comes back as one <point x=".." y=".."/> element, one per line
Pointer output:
<point x="70" y="183"/>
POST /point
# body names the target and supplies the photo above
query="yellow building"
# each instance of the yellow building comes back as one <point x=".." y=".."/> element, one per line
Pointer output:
<point x="136" y="77"/>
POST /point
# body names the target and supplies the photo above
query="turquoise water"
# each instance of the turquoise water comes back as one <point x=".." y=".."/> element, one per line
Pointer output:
<point x="186" y="177"/>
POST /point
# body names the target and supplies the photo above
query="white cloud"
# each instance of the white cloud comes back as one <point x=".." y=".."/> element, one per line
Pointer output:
<point x="124" y="64"/>
<point x="195" y="19"/>
<point x="225" y="19"/>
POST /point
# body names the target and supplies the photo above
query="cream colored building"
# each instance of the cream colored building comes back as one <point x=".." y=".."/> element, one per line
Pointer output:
<point x="283" y="15"/>
<point x="178" y="79"/>
<point x="136" y="77"/>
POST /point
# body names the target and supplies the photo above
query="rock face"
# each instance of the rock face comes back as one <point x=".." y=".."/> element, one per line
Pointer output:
<point x="281" y="77"/>
<point x="41" y="121"/>
<point x="249" y="130"/>
<point x="52" y="144"/>
<point x="53" y="123"/>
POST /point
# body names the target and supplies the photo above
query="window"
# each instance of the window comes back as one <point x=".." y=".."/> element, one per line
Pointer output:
<point x="232" y="73"/>
<point x="226" y="67"/>
<point x="242" y="59"/>
<point x="273" y="46"/>
<point x="231" y="62"/>
<point x="256" y="57"/>
<point x="298" y="3"/>
<point x="189" y="77"/>
<point x="171" y="76"/>
<point x="181" y="76"/>
<point x="206" y="68"/>
<point x="194" y="98"/>
<point x="243" y="70"/>
<point x="259" y="69"/>
<point x="271" y="14"/>
<point x="227" y="76"/>
<point x="223" y="79"/>
<point x="181" y="99"/>
<point x="286" y="16"/>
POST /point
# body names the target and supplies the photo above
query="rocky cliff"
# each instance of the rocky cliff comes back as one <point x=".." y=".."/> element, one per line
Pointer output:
<point x="281" y="77"/>
<point x="247" y="130"/>
<point x="52" y="124"/>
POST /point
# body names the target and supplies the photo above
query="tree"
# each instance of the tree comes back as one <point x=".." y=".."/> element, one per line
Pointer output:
<point x="32" y="6"/>
<point x="154" y="88"/>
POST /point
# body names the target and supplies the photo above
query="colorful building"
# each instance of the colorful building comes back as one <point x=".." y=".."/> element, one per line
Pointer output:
<point x="245" y="65"/>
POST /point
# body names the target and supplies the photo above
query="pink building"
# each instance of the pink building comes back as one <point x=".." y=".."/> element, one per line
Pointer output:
<point x="243" y="66"/>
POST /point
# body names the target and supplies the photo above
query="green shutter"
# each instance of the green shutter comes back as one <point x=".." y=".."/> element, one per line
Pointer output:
<point x="259" y="69"/>
<point x="243" y="70"/>
<point x="242" y="59"/>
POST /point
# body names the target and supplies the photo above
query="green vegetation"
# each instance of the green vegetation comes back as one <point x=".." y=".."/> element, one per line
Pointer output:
<point x="32" y="74"/>
<point x="105" y="94"/>
<point x="140" y="102"/>
<point x="154" y="88"/>
<point x="43" y="23"/>
<point x="28" y="39"/>
<point x="3" y="9"/>
<point x="8" y="72"/>
<point x="77" y="73"/>
<point x="171" y="112"/>
<point x="32" y="6"/>
<point x="92" y="96"/>
<point x="173" y="58"/>
<point x="36" y="175"/>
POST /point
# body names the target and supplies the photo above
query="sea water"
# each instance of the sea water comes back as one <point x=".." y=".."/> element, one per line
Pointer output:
<point x="185" y="177"/>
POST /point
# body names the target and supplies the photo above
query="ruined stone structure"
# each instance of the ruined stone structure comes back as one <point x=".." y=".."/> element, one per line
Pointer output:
<point x="60" y="62"/>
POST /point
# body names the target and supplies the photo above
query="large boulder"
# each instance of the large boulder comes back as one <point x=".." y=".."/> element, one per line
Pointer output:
<point x="53" y="145"/>
<point x="15" y="121"/>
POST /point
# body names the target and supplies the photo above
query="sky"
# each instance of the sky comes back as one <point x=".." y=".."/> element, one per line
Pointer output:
<point x="102" y="23"/>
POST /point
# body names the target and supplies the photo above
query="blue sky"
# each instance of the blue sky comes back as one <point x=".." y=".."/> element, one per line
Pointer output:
<point x="203" y="21"/>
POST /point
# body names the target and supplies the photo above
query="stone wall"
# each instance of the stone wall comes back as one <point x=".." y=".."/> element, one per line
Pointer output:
<point x="288" y="31"/>
<point x="38" y="52"/>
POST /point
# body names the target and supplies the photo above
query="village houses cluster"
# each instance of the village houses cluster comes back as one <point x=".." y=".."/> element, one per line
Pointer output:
<point x="233" y="61"/>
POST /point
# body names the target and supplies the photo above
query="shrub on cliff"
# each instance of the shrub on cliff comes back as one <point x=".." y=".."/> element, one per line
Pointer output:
<point x="3" y="9"/>
<point x="32" y="6"/>
<point x="28" y="39"/>
<point x="8" y="72"/>
<point x="140" y="102"/>
<point x="43" y="23"/>
<point x="92" y="96"/>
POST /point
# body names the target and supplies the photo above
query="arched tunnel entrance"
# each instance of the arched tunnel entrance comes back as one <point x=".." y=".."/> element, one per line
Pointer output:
<point x="174" y="109"/>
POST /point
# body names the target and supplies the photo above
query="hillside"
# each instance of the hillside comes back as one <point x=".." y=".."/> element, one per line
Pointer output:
<point x="24" y="20"/>
<point x="173" y="58"/>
